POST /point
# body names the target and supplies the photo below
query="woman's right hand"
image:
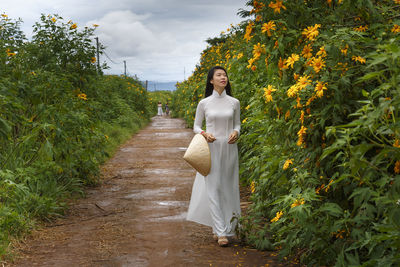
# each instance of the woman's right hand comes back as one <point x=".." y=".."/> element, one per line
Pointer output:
<point x="209" y="137"/>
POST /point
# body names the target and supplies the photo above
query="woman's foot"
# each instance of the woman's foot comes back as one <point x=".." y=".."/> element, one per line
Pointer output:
<point x="223" y="241"/>
<point x="215" y="237"/>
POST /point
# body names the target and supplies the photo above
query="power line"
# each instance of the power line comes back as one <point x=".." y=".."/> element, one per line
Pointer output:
<point x="111" y="59"/>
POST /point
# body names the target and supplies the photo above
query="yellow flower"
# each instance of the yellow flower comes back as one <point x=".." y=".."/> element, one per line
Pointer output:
<point x="95" y="25"/>
<point x="306" y="53"/>
<point x="321" y="52"/>
<point x="93" y="60"/>
<point x="291" y="60"/>
<point x="106" y="136"/>
<point x="9" y="53"/>
<point x="287" y="163"/>
<point x="301" y="133"/>
<point x="287" y="114"/>
<point x="317" y="63"/>
<point x="397" y="167"/>
<point x="311" y="32"/>
<point x="359" y="59"/>
<point x="344" y="50"/>
<point x="82" y="96"/>
<point x="396" y="2"/>
<point x="253" y="187"/>
<point x="53" y="20"/>
<point x="240" y="55"/>
<point x="244" y="121"/>
<point x="73" y="26"/>
<point x="396" y="143"/>
<point x="292" y="91"/>
<point x="247" y="108"/>
<point x="253" y="68"/>
<point x="278" y="216"/>
<point x="268" y="27"/>
<point x="267" y="93"/>
<point x="361" y="28"/>
<point x="4" y="15"/>
<point x="298" y="101"/>
<point x="258" y="49"/>
<point x="249" y="28"/>
<point x="319" y="88"/>
<point x="298" y="202"/>
<point x="302" y="117"/>
<point x="303" y="82"/>
<point x="396" y="28"/>
<point x="282" y="64"/>
<point x="251" y="61"/>
<point x="277" y="6"/>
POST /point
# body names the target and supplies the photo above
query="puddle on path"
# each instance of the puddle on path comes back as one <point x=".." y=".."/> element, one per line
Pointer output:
<point x="173" y="203"/>
<point x="178" y="217"/>
<point x="142" y="193"/>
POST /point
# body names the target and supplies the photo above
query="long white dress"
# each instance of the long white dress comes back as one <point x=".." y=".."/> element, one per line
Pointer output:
<point x="215" y="198"/>
<point x="159" y="110"/>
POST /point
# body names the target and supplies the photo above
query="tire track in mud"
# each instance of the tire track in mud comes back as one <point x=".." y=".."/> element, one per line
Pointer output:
<point x="137" y="216"/>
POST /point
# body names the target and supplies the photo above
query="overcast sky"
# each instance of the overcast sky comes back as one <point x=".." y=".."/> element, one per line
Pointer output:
<point x="157" y="38"/>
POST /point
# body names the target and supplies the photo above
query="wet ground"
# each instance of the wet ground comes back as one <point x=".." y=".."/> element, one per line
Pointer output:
<point x="137" y="216"/>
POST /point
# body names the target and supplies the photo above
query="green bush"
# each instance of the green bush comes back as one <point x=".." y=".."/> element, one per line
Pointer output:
<point x="318" y="83"/>
<point x="60" y="118"/>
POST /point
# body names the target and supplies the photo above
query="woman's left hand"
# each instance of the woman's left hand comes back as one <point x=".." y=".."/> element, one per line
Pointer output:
<point x="233" y="137"/>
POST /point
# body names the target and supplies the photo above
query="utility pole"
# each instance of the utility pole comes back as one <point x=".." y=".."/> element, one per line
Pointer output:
<point x="125" y="68"/>
<point x="147" y="83"/>
<point x="98" y="54"/>
<point x="184" y="73"/>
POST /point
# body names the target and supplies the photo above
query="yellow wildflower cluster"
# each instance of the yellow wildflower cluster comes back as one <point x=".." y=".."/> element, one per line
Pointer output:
<point x="249" y="29"/>
<point x="73" y="26"/>
<point x="361" y="28"/>
<point x="396" y="28"/>
<point x="82" y="96"/>
<point x="268" y="27"/>
<point x="301" y="134"/>
<point x="298" y="202"/>
<point x="302" y="117"/>
<point x="317" y="63"/>
<point x="301" y="83"/>
<point x="319" y="88"/>
<point x="397" y="167"/>
<point x="277" y="6"/>
<point x="318" y="189"/>
<point x="311" y="32"/>
<point x="359" y="59"/>
<point x="53" y="20"/>
<point x="278" y="216"/>
<point x="268" y="93"/>
<point x="258" y="49"/>
<point x="287" y="163"/>
<point x="93" y="60"/>
<point x="396" y="2"/>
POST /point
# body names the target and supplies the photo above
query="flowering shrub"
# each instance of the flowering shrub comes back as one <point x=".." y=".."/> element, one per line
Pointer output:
<point x="318" y="83"/>
<point x="59" y="119"/>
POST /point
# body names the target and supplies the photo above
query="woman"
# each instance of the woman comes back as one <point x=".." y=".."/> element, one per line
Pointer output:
<point x="215" y="198"/>
<point x="160" y="111"/>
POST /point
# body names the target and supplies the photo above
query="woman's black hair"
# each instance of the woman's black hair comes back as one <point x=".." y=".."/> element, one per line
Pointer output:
<point x="210" y="87"/>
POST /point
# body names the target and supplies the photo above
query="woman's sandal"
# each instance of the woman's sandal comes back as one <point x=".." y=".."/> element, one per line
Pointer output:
<point x="223" y="241"/>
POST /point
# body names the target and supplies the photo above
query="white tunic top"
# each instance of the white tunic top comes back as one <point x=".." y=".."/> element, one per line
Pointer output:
<point x="215" y="198"/>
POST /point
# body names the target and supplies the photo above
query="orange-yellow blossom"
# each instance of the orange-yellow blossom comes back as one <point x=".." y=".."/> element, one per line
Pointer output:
<point x="311" y="32"/>
<point x="396" y="143"/>
<point x="397" y="167"/>
<point x="268" y="27"/>
<point x="319" y="88"/>
<point x="361" y="28"/>
<point x="344" y="50"/>
<point x="298" y="202"/>
<point x="317" y="63"/>
<point x="307" y="51"/>
<point x="359" y="59"/>
<point x="278" y="216"/>
<point x="268" y="93"/>
<point x="74" y="26"/>
<point x="277" y="6"/>
<point x="302" y="117"/>
<point x="287" y="163"/>
<point x="249" y="29"/>
<point x="258" y="49"/>
<point x="396" y="28"/>
<point x="291" y="60"/>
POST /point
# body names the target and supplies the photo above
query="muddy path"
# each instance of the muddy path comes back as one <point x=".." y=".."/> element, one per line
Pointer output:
<point x="137" y="216"/>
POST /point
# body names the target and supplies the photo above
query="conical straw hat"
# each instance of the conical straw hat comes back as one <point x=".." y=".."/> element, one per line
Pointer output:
<point x="198" y="155"/>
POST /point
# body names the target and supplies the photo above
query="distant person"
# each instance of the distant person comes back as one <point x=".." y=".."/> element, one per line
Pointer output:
<point x="160" y="111"/>
<point x="215" y="198"/>
<point x="166" y="109"/>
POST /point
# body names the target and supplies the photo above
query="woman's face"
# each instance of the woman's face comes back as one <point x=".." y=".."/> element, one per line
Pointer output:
<point x="220" y="79"/>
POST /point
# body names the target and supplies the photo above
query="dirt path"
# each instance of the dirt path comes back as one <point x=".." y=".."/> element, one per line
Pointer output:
<point x="137" y="216"/>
